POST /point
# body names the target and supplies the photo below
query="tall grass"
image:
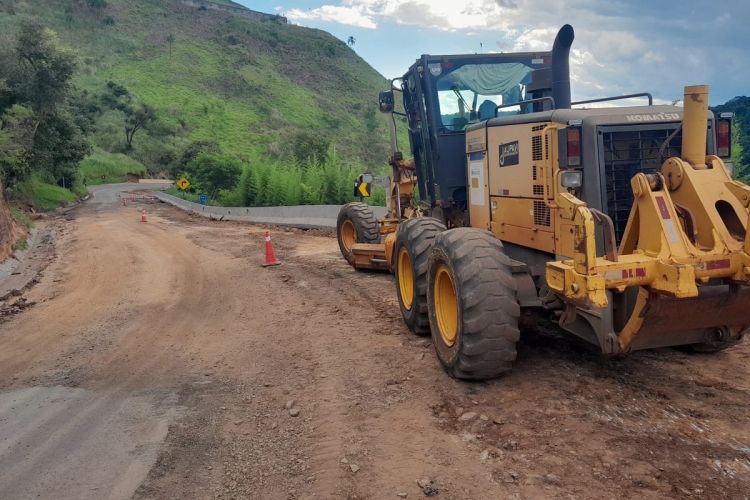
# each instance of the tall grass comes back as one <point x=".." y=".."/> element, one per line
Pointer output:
<point x="102" y="168"/>
<point x="328" y="181"/>
<point x="41" y="195"/>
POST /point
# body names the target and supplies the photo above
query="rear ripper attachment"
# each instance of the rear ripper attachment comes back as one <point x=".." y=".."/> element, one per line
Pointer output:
<point x="684" y="258"/>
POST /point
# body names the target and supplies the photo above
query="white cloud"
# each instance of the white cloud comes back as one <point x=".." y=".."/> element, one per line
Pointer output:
<point x="621" y="46"/>
<point x="437" y="14"/>
<point x="351" y="16"/>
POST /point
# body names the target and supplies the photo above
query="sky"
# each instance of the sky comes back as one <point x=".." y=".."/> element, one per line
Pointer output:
<point x="621" y="46"/>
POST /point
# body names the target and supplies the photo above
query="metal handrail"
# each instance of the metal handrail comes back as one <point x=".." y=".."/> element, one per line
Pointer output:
<point x="529" y="101"/>
<point x="629" y="96"/>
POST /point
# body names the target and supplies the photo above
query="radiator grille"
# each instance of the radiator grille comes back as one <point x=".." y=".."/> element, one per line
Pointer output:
<point x="536" y="148"/>
<point x="541" y="213"/>
<point x="538" y="189"/>
<point x="533" y="172"/>
<point x="625" y="154"/>
<point x="537" y="128"/>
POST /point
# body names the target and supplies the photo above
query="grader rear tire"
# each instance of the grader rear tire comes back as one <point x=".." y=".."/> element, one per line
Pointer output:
<point x="356" y="224"/>
<point x="473" y="311"/>
<point x="412" y="254"/>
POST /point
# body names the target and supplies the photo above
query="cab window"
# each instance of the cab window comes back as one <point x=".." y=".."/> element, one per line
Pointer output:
<point x="472" y="92"/>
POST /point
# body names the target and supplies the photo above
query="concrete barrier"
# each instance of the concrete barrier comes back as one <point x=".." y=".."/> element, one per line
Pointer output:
<point x="155" y="181"/>
<point x="301" y="216"/>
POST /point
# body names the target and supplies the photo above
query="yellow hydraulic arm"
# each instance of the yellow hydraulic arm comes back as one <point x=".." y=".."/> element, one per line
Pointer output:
<point x="688" y="225"/>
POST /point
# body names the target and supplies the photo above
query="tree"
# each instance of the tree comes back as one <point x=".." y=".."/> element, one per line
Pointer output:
<point x="192" y="151"/>
<point x="137" y="118"/>
<point x="41" y="130"/>
<point x="137" y="115"/>
<point x="249" y="187"/>
<point x="351" y="41"/>
<point x="307" y="147"/>
<point x="215" y="172"/>
<point x="46" y="69"/>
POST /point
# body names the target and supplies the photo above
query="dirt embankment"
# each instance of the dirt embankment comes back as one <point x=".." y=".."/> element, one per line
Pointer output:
<point x="10" y="230"/>
<point x="203" y="375"/>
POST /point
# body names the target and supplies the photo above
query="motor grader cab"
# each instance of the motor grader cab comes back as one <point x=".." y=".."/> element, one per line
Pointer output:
<point x="440" y="97"/>
<point x="622" y="223"/>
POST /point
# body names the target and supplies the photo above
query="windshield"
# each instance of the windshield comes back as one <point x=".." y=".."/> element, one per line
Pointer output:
<point x="473" y="91"/>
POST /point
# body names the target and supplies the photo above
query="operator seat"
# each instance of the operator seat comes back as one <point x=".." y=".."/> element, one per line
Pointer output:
<point x="487" y="110"/>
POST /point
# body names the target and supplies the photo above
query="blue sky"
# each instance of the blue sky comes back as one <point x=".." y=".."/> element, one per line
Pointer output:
<point x="621" y="46"/>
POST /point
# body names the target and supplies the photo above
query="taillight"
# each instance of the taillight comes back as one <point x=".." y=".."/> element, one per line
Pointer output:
<point x="574" y="146"/>
<point x="724" y="135"/>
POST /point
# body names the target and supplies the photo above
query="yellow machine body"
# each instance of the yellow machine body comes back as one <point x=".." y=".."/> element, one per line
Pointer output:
<point x="684" y="255"/>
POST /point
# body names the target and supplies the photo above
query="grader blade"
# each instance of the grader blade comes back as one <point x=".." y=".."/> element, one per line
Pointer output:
<point x="717" y="313"/>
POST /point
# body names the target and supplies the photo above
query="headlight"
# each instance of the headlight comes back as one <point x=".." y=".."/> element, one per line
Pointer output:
<point x="571" y="179"/>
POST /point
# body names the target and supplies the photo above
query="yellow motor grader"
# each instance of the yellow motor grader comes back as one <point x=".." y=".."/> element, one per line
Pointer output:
<point x="621" y="222"/>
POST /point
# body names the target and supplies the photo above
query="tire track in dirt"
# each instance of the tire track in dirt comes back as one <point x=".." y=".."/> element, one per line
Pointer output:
<point x="213" y="346"/>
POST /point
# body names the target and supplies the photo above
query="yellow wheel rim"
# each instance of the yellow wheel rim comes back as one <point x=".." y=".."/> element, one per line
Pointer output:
<point x="446" y="305"/>
<point x="405" y="279"/>
<point x="348" y="234"/>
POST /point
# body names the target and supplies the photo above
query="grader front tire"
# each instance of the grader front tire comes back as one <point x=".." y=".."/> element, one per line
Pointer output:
<point x="356" y="224"/>
<point x="473" y="311"/>
<point x="412" y="254"/>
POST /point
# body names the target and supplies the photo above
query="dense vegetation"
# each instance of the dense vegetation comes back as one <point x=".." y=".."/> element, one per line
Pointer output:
<point x="254" y="112"/>
<point x="92" y="89"/>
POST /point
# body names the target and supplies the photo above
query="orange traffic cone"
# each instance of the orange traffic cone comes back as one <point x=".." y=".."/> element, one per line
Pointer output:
<point x="270" y="254"/>
<point x="144" y="217"/>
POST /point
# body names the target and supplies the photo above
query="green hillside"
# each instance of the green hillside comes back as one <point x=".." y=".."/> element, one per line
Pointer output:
<point x="258" y="91"/>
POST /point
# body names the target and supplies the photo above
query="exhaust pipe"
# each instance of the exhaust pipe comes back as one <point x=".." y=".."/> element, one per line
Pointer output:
<point x="695" y="124"/>
<point x="561" y="67"/>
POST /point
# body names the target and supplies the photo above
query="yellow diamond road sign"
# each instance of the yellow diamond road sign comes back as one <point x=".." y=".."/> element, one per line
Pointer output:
<point x="183" y="184"/>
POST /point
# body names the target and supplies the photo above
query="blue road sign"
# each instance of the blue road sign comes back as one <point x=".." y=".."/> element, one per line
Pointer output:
<point x="203" y="199"/>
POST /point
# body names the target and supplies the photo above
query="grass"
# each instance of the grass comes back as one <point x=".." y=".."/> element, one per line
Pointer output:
<point x="21" y="244"/>
<point x="43" y="196"/>
<point x="249" y="85"/>
<point x="21" y="217"/>
<point x="185" y="195"/>
<point x="104" y="168"/>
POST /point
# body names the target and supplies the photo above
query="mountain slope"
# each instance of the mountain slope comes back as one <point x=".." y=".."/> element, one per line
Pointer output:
<point x="248" y="84"/>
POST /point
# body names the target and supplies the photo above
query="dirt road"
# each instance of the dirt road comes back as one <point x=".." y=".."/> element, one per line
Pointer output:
<point x="161" y="361"/>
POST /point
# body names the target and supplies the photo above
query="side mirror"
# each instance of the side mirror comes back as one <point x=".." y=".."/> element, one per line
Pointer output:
<point x="385" y="101"/>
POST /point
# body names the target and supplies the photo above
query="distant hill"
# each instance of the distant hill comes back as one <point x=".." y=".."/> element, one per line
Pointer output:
<point x="740" y="106"/>
<point x="250" y="84"/>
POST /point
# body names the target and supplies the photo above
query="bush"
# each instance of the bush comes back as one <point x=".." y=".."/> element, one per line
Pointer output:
<point x="214" y="172"/>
